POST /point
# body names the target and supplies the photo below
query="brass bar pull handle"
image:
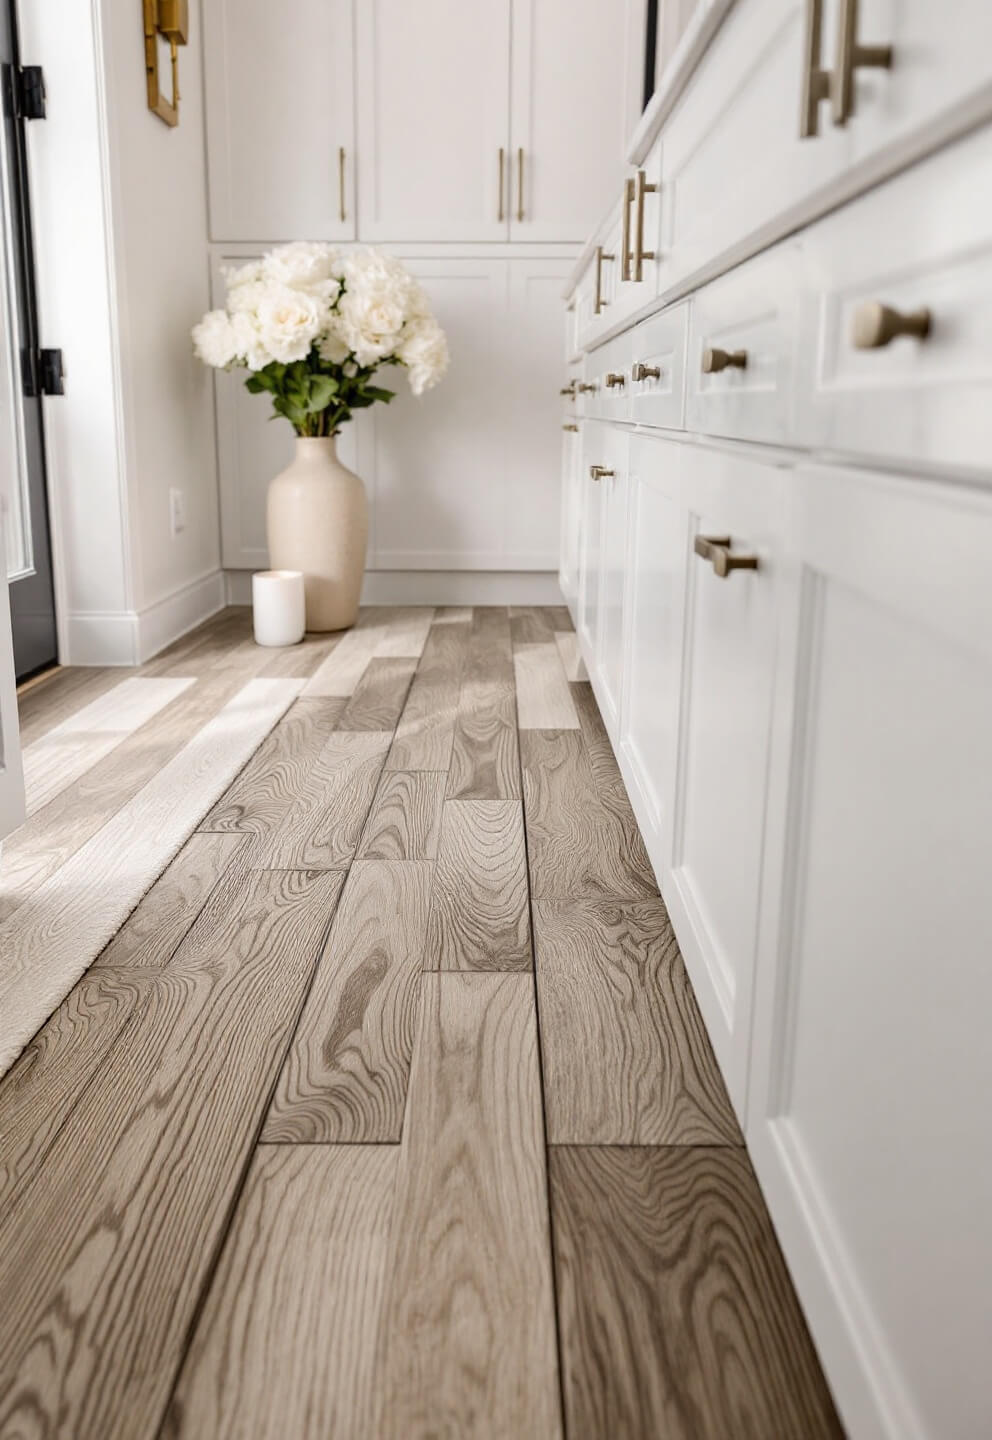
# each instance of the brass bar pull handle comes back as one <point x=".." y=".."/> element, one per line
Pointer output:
<point x="615" y="382"/>
<point x="876" y="325"/>
<point x="852" y="57"/>
<point x="573" y="428"/>
<point x="520" y="182"/>
<point x="816" y="80"/>
<point x="500" y="213"/>
<point x="640" y="254"/>
<point x="626" y="256"/>
<point x="715" y="360"/>
<point x="601" y="256"/>
<point x="598" y="472"/>
<point x="341" y="205"/>
<point x="647" y="372"/>
<point x="716" y="549"/>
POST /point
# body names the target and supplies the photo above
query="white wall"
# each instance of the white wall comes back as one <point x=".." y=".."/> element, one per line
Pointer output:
<point x="119" y="204"/>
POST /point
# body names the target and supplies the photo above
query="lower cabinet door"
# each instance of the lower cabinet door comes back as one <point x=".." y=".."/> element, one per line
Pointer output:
<point x="868" y="1113"/>
<point x="571" y="512"/>
<point x="656" y="558"/>
<point x="734" y="504"/>
<point x="11" y="772"/>
<point x="613" y="573"/>
<point x="595" y="443"/>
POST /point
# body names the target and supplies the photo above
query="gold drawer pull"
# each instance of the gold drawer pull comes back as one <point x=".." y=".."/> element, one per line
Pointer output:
<point x="851" y="57"/>
<point x="816" y="80"/>
<point x="601" y="256"/>
<point x="625" y="252"/>
<point x="585" y="389"/>
<point x="716" y="549"/>
<point x="647" y="372"/>
<point x="876" y="324"/>
<point x="500" y="213"/>
<point x="573" y="428"/>
<point x="597" y="472"/>
<point x="615" y="382"/>
<point x="341" y="163"/>
<point x="520" y="183"/>
<point x="715" y="360"/>
<point x="640" y="254"/>
<point x="568" y="389"/>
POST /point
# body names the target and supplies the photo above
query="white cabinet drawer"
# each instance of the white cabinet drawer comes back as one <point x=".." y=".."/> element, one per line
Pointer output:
<point x="608" y="369"/>
<point x="658" y="345"/>
<point x="724" y="726"/>
<point x="922" y="241"/>
<point x="748" y="322"/>
<point x="868" y="1116"/>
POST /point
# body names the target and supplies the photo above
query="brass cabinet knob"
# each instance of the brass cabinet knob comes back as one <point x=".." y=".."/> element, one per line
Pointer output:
<point x="615" y="382"/>
<point x="876" y="324"/>
<point x="715" y="360"/>
<point x="568" y="389"/>
<point x="573" y="428"/>
<point x="851" y="57"/>
<point x="597" y="472"/>
<point x="583" y="388"/>
<point x="716" y="549"/>
<point x="647" y="372"/>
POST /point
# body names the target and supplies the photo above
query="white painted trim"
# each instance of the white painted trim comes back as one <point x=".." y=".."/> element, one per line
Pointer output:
<point x="165" y="620"/>
<point x="436" y="587"/>
<point x="421" y="249"/>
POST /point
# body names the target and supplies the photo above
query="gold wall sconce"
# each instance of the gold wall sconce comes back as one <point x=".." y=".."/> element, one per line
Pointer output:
<point x="170" y="19"/>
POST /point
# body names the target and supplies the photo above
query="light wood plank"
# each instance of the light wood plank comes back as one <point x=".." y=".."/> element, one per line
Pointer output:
<point x="340" y="673"/>
<point x="104" y="1257"/>
<point x="153" y="931"/>
<point x="570" y="656"/>
<point x="627" y="1060"/>
<point x="606" y="777"/>
<point x="468" y="1343"/>
<point x="50" y="939"/>
<point x="345" y="1077"/>
<point x="531" y="625"/>
<point x="407" y="634"/>
<point x="485" y="764"/>
<point x="425" y="732"/>
<point x="68" y="750"/>
<point x="303" y="660"/>
<point x="676" y="1311"/>
<point x="453" y="615"/>
<point x="379" y="696"/>
<point x="59" y="695"/>
<point x="544" y="701"/>
<point x="576" y="846"/>
<point x="560" y="618"/>
<point x="479" y="912"/>
<point x="285" y="1347"/>
<point x="322" y="830"/>
<point x="277" y="774"/>
<point x="405" y="820"/>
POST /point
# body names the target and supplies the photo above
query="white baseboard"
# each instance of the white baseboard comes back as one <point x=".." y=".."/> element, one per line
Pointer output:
<point x="436" y="587"/>
<point x="130" y="637"/>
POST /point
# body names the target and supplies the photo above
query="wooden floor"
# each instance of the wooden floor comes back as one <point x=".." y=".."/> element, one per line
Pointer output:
<point x="388" y="1110"/>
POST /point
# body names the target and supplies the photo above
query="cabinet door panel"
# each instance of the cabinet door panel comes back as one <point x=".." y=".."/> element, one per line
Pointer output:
<point x="872" y="1064"/>
<point x="613" y="553"/>
<point x="433" y="111"/>
<point x="280" y="107"/>
<point x="569" y="114"/>
<point x="718" y="817"/>
<point x="595" y="449"/>
<point x="11" y="774"/>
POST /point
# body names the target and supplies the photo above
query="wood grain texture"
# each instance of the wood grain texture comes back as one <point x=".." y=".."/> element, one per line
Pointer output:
<point x="627" y="1060"/>
<point x="340" y="673"/>
<point x="285" y="1347"/>
<point x="49" y="940"/>
<point x="544" y="701"/>
<point x="322" y="829"/>
<point x="425" y="733"/>
<point x="561" y="620"/>
<point x="277" y="774"/>
<point x="677" y="1316"/>
<point x="468" y="1341"/>
<point x="407" y="633"/>
<point x="379" y="696"/>
<point x="484" y="761"/>
<point x="104" y="1257"/>
<point x="60" y="695"/>
<point x="153" y="931"/>
<point x="570" y="655"/>
<point x="531" y="625"/>
<point x="479" y="912"/>
<point x="606" y="777"/>
<point x="345" y="1077"/>
<point x="303" y="660"/>
<point x="405" y="820"/>
<point x="577" y="846"/>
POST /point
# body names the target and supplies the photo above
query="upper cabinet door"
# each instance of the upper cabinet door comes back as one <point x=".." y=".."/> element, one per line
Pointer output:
<point x="433" y="96"/>
<point x="280" y="119"/>
<point x="569" y="115"/>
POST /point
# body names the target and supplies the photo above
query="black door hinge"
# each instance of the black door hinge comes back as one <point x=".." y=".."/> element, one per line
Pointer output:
<point x="43" y="371"/>
<point x="30" y="93"/>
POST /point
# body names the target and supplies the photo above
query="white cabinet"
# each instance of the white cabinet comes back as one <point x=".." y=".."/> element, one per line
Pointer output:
<point x="571" y="514"/>
<point x="11" y="774"/>
<point x="656" y="564"/>
<point x="433" y="119"/>
<point x="596" y="438"/>
<point x="868" y="1117"/>
<point x="280" y="119"/>
<point x="725" y="715"/>
<point x="569" y="118"/>
<point x="608" y="673"/>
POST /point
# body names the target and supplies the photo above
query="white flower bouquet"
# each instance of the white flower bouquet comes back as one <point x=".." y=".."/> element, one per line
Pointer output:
<point x="313" y="324"/>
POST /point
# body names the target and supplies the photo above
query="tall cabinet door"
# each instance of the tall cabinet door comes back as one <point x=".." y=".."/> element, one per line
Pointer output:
<point x="569" y="115"/>
<point x="433" y="98"/>
<point x="280" y="119"/>
<point x="11" y="776"/>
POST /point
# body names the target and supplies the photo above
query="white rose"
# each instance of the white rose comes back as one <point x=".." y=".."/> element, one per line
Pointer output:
<point x="372" y="312"/>
<point x="304" y="265"/>
<point x="288" y="322"/>
<point x="246" y="274"/>
<point x="246" y="297"/>
<point x="424" y="350"/>
<point x="214" y="339"/>
<point x="332" y="345"/>
<point x="251" y="347"/>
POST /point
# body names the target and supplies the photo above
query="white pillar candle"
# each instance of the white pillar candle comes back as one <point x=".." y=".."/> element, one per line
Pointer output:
<point x="278" y="608"/>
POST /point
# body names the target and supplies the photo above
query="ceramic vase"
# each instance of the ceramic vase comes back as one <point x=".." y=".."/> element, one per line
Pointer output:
<point x="317" y="522"/>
